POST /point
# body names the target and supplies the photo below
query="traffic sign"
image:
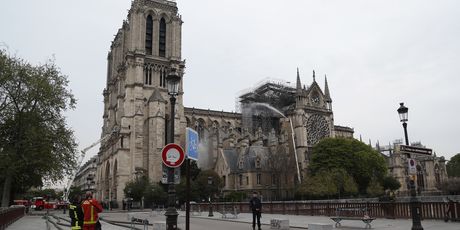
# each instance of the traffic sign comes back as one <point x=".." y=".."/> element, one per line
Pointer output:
<point x="191" y="145"/>
<point x="172" y="155"/>
<point x="417" y="150"/>
<point x="412" y="166"/>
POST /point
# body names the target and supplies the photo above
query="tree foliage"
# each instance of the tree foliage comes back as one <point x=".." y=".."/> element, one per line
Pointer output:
<point x="375" y="189"/>
<point x="200" y="189"/>
<point x="451" y="186"/>
<point x="328" y="184"/>
<point x="143" y="189"/>
<point x="35" y="142"/>
<point x="453" y="166"/>
<point x="356" y="158"/>
<point x="390" y="183"/>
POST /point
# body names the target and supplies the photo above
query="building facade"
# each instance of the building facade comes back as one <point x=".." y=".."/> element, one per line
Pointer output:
<point x="430" y="169"/>
<point x="265" y="147"/>
<point x="146" y="48"/>
<point x="85" y="179"/>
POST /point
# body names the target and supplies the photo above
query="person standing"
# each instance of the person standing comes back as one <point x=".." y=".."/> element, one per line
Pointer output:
<point x="256" y="206"/>
<point x="91" y="209"/>
<point x="76" y="213"/>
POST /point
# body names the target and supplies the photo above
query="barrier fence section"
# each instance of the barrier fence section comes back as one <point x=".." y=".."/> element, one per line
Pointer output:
<point x="10" y="215"/>
<point x="391" y="210"/>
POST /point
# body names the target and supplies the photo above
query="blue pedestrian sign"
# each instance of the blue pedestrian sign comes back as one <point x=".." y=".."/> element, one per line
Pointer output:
<point x="191" y="145"/>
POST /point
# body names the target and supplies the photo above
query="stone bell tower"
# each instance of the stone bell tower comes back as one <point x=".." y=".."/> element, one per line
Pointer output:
<point x="144" y="51"/>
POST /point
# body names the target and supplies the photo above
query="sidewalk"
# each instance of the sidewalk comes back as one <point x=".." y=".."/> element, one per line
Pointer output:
<point x="38" y="223"/>
<point x="303" y="221"/>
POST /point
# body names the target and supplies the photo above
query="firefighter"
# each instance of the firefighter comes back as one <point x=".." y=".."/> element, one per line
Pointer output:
<point x="76" y="213"/>
<point x="91" y="209"/>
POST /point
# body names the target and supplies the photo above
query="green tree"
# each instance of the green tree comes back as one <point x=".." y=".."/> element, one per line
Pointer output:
<point x="453" y="166"/>
<point x="136" y="189"/>
<point x="35" y="143"/>
<point x="375" y="188"/>
<point x="321" y="185"/>
<point x="143" y="188"/>
<point x="356" y="158"/>
<point x="390" y="183"/>
<point x="154" y="194"/>
<point x="208" y="190"/>
<point x="328" y="184"/>
<point x="235" y="196"/>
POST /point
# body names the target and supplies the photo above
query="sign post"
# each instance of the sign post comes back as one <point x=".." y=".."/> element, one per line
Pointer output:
<point x="172" y="155"/>
<point x="417" y="150"/>
<point x="191" y="147"/>
<point x="412" y="166"/>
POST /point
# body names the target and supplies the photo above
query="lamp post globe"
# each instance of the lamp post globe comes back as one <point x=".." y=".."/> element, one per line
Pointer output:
<point x="172" y="81"/>
<point x="210" y="182"/>
<point x="415" y="206"/>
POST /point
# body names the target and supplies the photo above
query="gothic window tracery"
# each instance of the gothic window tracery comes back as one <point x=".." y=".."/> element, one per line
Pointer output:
<point x="317" y="129"/>
<point x="162" y="38"/>
<point x="162" y="78"/>
<point x="148" y="35"/>
<point x="148" y="74"/>
<point x="420" y="178"/>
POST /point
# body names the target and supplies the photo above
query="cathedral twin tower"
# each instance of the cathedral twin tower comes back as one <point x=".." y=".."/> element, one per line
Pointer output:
<point x="143" y="52"/>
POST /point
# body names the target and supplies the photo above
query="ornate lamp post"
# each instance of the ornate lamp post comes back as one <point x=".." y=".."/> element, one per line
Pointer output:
<point x="414" y="202"/>
<point x="172" y="81"/>
<point x="210" y="197"/>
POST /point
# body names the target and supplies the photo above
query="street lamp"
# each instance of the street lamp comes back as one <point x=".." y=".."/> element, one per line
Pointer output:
<point x="210" y="196"/>
<point x="414" y="202"/>
<point x="172" y="81"/>
<point x="403" y="116"/>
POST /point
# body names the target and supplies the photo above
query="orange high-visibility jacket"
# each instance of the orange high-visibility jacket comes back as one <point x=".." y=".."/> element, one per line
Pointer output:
<point x="91" y="208"/>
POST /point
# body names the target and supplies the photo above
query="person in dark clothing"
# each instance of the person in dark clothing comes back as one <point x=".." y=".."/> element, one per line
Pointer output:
<point x="256" y="206"/>
<point x="76" y="213"/>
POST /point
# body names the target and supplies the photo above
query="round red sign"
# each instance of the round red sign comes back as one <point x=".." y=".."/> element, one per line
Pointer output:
<point x="173" y="155"/>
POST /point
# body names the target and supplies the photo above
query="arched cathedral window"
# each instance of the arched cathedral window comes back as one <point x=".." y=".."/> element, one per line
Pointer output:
<point x="148" y="75"/>
<point x="148" y="35"/>
<point x="420" y="178"/>
<point x="162" y="40"/>
<point x="163" y="78"/>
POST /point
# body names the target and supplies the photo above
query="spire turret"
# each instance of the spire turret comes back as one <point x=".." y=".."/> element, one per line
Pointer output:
<point x="327" y="95"/>
<point x="299" y="84"/>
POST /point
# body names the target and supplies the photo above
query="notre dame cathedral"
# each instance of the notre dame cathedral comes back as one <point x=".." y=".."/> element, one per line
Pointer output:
<point x="265" y="146"/>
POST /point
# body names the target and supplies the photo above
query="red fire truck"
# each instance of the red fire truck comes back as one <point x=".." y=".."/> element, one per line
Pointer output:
<point x="38" y="203"/>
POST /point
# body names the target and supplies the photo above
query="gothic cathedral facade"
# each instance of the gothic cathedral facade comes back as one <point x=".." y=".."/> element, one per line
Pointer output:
<point x="143" y="52"/>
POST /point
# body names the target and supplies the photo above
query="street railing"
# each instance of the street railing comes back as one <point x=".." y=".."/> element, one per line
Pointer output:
<point x="392" y="210"/>
<point x="10" y="215"/>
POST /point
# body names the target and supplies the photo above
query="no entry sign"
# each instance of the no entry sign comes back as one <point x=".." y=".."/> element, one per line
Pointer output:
<point x="173" y="155"/>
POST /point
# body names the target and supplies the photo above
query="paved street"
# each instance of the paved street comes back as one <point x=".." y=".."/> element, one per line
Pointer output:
<point x="242" y="222"/>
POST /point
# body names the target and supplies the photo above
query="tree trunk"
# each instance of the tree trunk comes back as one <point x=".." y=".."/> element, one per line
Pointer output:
<point x="6" y="191"/>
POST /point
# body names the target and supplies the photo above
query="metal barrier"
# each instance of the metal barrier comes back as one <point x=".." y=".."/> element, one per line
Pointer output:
<point x="10" y="215"/>
<point x="429" y="210"/>
<point x="135" y="220"/>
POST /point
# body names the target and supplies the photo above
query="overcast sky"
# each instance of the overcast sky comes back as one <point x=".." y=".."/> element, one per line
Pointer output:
<point x="375" y="54"/>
